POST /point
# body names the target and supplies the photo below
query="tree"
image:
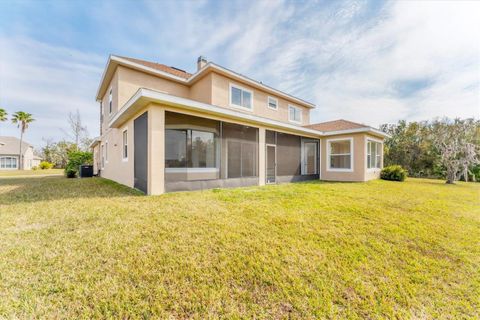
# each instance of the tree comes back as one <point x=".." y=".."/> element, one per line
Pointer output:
<point x="3" y="115"/>
<point x="22" y="120"/>
<point x="457" y="148"/>
<point x="78" y="132"/>
<point x="57" y="152"/>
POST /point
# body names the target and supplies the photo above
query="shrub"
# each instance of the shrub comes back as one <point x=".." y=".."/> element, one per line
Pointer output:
<point x="45" y="165"/>
<point x="76" y="159"/>
<point x="34" y="168"/>
<point x="393" y="173"/>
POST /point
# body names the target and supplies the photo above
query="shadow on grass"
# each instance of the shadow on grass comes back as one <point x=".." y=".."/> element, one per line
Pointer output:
<point x="33" y="189"/>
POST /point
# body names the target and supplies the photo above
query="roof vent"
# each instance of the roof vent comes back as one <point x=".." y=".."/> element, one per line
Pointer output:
<point x="201" y="62"/>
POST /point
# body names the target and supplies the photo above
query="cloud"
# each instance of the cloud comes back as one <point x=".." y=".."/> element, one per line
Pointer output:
<point x="49" y="82"/>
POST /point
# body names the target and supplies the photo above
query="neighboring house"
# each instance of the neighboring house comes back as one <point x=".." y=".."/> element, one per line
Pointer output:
<point x="9" y="157"/>
<point x="163" y="129"/>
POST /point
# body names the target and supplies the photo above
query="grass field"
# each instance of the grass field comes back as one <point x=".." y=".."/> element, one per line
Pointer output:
<point x="17" y="173"/>
<point x="89" y="248"/>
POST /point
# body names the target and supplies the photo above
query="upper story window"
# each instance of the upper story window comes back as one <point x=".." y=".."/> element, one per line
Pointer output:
<point x="240" y="97"/>
<point x="340" y="154"/>
<point x="110" y="98"/>
<point x="374" y="154"/>
<point x="294" y="114"/>
<point x="272" y="103"/>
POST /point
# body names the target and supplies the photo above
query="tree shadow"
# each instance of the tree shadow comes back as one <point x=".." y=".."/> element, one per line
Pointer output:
<point x="47" y="188"/>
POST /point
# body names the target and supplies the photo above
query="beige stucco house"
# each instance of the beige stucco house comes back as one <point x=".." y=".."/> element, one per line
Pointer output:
<point x="163" y="129"/>
<point x="9" y="154"/>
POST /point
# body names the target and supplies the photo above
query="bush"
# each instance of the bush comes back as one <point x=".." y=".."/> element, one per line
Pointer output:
<point x="45" y="165"/>
<point x="34" y="168"/>
<point x="393" y="173"/>
<point x="76" y="159"/>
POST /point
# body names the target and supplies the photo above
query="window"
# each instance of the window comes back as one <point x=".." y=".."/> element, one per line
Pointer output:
<point x="374" y="154"/>
<point x="110" y="98"/>
<point x="106" y="152"/>
<point x="125" y="145"/>
<point x="190" y="149"/>
<point x="294" y="114"/>
<point x="8" y="163"/>
<point x="103" y="156"/>
<point x="240" y="97"/>
<point x="272" y="103"/>
<point x="340" y="154"/>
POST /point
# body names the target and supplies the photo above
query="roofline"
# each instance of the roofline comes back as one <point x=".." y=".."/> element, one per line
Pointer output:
<point x="212" y="65"/>
<point x="94" y="142"/>
<point x="195" y="76"/>
<point x="357" y="130"/>
<point x="148" y="95"/>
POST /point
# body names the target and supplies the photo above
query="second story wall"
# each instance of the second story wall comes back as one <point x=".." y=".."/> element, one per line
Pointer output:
<point x="221" y="96"/>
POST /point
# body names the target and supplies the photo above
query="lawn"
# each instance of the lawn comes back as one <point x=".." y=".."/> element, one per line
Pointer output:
<point x="89" y="248"/>
<point x="17" y="173"/>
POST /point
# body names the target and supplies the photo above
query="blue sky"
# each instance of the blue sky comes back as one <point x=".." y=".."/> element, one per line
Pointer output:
<point x="368" y="61"/>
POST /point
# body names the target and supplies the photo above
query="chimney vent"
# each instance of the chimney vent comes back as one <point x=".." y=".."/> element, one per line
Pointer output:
<point x="201" y="62"/>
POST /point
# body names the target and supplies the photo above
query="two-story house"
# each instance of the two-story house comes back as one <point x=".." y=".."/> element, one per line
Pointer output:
<point x="164" y="129"/>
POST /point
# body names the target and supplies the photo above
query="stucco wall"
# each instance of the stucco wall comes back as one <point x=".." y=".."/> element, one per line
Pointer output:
<point x="221" y="97"/>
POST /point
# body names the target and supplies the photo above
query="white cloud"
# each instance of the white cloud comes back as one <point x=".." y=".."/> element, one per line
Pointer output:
<point x="49" y="82"/>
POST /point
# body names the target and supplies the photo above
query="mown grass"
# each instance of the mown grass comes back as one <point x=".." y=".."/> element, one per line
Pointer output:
<point x="16" y="173"/>
<point x="89" y="248"/>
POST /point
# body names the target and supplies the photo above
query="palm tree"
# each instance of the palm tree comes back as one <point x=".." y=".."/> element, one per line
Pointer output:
<point x="22" y="119"/>
<point x="3" y="115"/>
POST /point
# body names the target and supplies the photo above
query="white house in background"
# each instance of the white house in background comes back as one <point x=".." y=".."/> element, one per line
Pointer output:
<point x="9" y="157"/>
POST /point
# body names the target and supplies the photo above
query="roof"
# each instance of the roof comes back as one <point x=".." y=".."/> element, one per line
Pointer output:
<point x="336" y="125"/>
<point x="160" y="67"/>
<point x="183" y="77"/>
<point x="10" y="145"/>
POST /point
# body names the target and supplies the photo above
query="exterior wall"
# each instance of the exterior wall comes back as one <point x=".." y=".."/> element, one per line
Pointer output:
<point x="96" y="158"/>
<point x="221" y="97"/>
<point x="359" y="164"/>
<point x="360" y="171"/>
<point x="202" y="89"/>
<point x="117" y="168"/>
<point x="28" y="159"/>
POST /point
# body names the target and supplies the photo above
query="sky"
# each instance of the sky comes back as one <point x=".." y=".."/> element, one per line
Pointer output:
<point x="372" y="62"/>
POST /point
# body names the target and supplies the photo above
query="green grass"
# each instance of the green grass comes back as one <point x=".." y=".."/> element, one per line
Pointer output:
<point x="90" y="248"/>
<point x="17" y="173"/>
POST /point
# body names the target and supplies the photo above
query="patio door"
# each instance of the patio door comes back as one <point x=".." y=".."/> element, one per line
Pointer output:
<point x="271" y="164"/>
<point x="309" y="157"/>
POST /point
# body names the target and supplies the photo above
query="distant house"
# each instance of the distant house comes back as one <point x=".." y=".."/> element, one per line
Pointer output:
<point x="9" y="158"/>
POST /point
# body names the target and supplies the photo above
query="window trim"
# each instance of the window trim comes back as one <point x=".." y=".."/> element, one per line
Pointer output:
<point x="329" y="141"/>
<point x="17" y="162"/>
<point x="232" y="85"/>
<point x="110" y="101"/>
<point x="124" y="144"/>
<point x="367" y="139"/>
<point x="268" y="103"/>
<point x="297" y="108"/>
<point x="106" y="151"/>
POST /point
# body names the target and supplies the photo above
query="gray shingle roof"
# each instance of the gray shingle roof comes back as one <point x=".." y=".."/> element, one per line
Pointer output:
<point x="10" y="145"/>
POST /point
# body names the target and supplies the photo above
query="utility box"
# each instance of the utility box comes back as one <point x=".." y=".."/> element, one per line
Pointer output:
<point x="85" y="171"/>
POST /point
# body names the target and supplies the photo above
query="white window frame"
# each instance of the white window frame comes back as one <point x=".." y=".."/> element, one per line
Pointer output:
<point x="11" y="157"/>
<point x="231" y="97"/>
<point x="102" y="156"/>
<point x="329" y="141"/>
<point x="276" y="103"/>
<point x="124" y="144"/>
<point x="296" y="108"/>
<point x="367" y="139"/>
<point x="106" y="152"/>
<point x="110" y="101"/>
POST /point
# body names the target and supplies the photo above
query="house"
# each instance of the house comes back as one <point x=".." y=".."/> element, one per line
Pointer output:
<point x="163" y="129"/>
<point x="9" y="154"/>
